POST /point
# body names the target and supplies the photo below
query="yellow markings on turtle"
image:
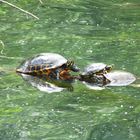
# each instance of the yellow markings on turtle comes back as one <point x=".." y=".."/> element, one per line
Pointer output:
<point x="35" y="69"/>
<point x="31" y="68"/>
<point x="99" y="72"/>
<point x="40" y="69"/>
<point x="44" y="70"/>
<point x="105" y="72"/>
<point x="69" y="64"/>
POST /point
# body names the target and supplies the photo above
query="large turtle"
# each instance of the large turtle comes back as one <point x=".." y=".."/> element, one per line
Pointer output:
<point x="51" y="65"/>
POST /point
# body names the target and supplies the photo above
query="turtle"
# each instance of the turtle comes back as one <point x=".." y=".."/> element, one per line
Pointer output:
<point x="95" y="72"/>
<point x="113" y="78"/>
<point x="98" y="68"/>
<point x="52" y="65"/>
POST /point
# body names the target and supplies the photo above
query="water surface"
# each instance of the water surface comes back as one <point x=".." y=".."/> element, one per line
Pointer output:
<point x="85" y="31"/>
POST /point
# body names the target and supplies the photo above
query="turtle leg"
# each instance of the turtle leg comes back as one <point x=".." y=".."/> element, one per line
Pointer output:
<point x="57" y="75"/>
<point x="46" y="73"/>
<point x="54" y="74"/>
<point x="105" y="80"/>
<point x="65" y="75"/>
<point x="62" y="73"/>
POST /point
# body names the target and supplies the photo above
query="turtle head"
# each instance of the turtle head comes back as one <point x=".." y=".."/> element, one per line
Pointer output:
<point x="71" y="66"/>
<point x="109" y="68"/>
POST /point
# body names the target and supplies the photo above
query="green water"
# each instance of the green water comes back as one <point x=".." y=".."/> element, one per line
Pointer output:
<point x="83" y="30"/>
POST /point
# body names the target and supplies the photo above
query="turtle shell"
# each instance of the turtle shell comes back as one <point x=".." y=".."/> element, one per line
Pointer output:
<point x="44" y="61"/>
<point x="94" y="68"/>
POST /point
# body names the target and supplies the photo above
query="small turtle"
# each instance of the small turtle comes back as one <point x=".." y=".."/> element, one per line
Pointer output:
<point x="98" y="68"/>
<point x="114" y="78"/>
<point x="51" y="65"/>
<point x="95" y="72"/>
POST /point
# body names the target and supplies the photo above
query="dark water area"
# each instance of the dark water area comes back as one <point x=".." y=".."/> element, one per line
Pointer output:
<point x="86" y="32"/>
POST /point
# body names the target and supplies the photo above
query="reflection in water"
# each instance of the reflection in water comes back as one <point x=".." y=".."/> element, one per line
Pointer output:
<point x="96" y="82"/>
<point x="94" y="86"/>
<point x="114" y="78"/>
<point x="48" y="85"/>
<point x="120" y="78"/>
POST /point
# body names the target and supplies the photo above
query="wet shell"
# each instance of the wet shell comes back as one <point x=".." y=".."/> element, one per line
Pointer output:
<point x="42" y="62"/>
<point x="95" y="67"/>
